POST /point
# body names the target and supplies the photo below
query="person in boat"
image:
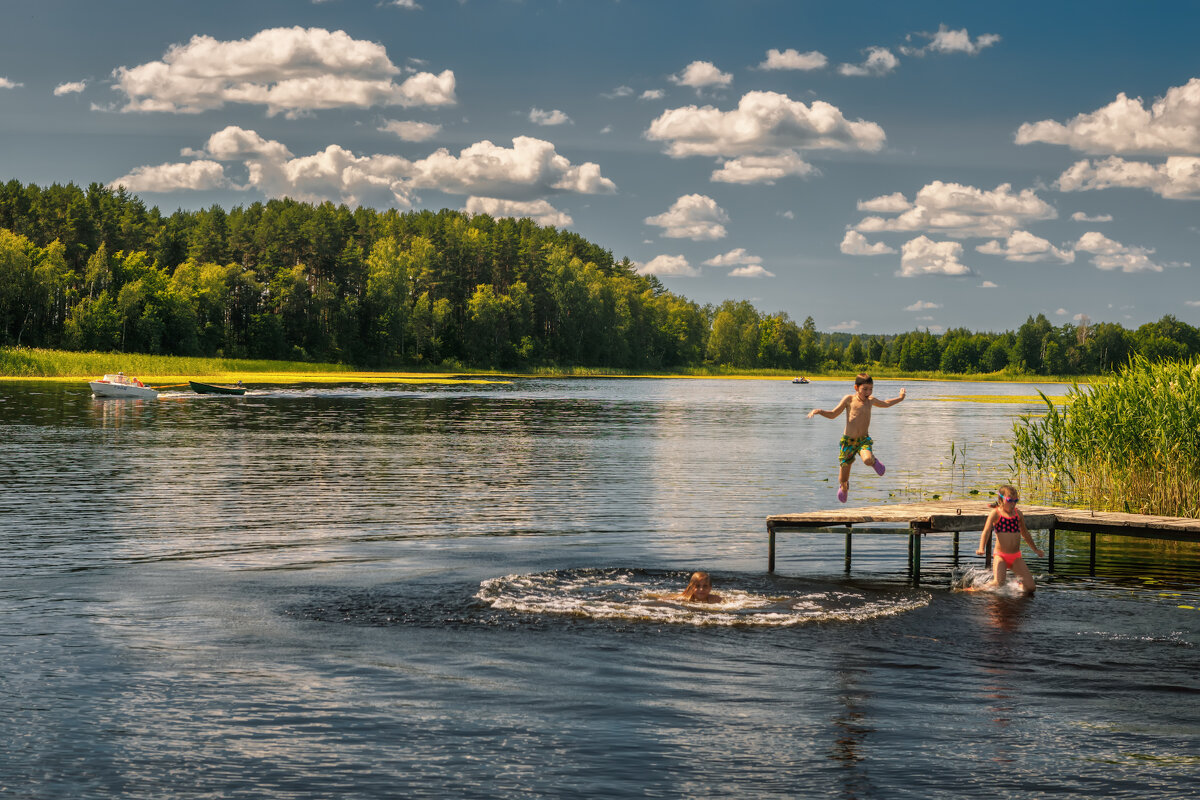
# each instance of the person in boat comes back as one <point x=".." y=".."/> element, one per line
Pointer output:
<point x="699" y="590"/>
<point x="1008" y="523"/>
<point x="856" y="439"/>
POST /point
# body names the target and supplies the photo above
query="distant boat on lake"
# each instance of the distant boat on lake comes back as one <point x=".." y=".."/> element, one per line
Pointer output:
<point x="208" y="388"/>
<point x="122" y="385"/>
<point x="799" y="380"/>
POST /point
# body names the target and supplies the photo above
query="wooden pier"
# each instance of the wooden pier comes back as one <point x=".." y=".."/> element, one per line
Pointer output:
<point x="916" y="520"/>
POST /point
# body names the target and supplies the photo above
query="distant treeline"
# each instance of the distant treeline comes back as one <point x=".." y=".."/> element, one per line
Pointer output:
<point x="96" y="269"/>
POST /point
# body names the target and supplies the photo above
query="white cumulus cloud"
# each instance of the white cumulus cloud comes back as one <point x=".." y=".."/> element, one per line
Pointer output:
<point x="763" y="169"/>
<point x="524" y="173"/>
<point x="676" y="266"/>
<point x="530" y="168"/>
<point x="193" y="175"/>
<point x="233" y="143"/>
<point x="652" y="94"/>
<point x="855" y="244"/>
<point x="539" y="211"/>
<point x="892" y="203"/>
<point x="692" y="216"/>
<point x="946" y="40"/>
<point x="71" y="87"/>
<point x="1171" y="126"/>
<point x="923" y="305"/>
<point x="794" y="59"/>
<point x="1178" y="178"/>
<point x="1109" y="255"/>
<point x="763" y="123"/>
<point x="846" y="325"/>
<point x="751" y="271"/>
<point x="952" y="209"/>
<point x="923" y="256"/>
<point x="1024" y="246"/>
<point x="879" y="61"/>
<point x="733" y="258"/>
<point x="411" y="131"/>
<point x="701" y="75"/>
<point x="288" y="70"/>
<point x="7" y="83"/>
<point x="1080" y="216"/>
<point x="335" y="173"/>
<point x="745" y="265"/>
<point x="553" y="117"/>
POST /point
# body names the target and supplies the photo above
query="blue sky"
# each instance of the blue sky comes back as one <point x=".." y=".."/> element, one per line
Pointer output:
<point x="879" y="166"/>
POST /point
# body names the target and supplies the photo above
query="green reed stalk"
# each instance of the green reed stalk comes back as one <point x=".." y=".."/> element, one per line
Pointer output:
<point x="1131" y="443"/>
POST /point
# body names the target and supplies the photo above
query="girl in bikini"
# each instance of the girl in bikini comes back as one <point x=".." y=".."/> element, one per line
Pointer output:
<point x="1009" y="525"/>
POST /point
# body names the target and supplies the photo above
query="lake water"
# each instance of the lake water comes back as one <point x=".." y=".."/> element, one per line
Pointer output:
<point x="397" y="591"/>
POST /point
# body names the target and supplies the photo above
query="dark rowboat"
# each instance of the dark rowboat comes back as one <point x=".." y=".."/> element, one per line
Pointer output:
<point x="208" y="388"/>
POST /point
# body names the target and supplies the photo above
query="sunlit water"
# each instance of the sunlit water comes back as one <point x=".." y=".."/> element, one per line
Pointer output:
<point x="375" y="591"/>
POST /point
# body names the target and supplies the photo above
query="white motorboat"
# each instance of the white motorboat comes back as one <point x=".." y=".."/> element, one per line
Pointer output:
<point x="122" y="385"/>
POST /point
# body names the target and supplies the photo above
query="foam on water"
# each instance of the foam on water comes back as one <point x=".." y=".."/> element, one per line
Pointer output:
<point x="649" y="596"/>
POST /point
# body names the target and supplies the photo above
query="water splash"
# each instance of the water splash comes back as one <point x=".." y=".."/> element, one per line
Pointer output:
<point x="649" y="596"/>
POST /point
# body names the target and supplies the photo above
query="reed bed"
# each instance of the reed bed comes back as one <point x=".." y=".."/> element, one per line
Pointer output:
<point x="35" y="363"/>
<point x="1130" y="443"/>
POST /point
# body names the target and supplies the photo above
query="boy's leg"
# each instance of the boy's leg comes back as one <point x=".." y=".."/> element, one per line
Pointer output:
<point x="868" y="457"/>
<point x="844" y="482"/>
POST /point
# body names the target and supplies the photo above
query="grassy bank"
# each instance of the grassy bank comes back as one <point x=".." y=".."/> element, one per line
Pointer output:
<point x="22" y="363"/>
<point x="1131" y="443"/>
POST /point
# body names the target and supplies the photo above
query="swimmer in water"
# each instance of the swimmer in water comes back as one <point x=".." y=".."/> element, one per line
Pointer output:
<point x="699" y="590"/>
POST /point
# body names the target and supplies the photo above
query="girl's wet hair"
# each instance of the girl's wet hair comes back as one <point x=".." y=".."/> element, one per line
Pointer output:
<point x="1008" y="489"/>
<point x="862" y="378"/>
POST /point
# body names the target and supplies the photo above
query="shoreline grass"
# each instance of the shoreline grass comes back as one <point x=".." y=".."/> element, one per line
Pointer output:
<point x="44" y="364"/>
<point x="1128" y="444"/>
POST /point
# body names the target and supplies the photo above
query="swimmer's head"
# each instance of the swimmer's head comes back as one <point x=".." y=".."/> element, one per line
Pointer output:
<point x="699" y="587"/>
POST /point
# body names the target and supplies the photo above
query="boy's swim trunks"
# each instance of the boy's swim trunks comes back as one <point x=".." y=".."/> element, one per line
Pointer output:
<point x="850" y="448"/>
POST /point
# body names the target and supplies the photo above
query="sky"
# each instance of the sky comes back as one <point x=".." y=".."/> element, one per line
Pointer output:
<point x="880" y="167"/>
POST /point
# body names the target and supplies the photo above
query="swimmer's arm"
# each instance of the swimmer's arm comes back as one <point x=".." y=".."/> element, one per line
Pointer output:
<point x="987" y="531"/>
<point x="835" y="412"/>
<point x="888" y="403"/>
<point x="1025" y="534"/>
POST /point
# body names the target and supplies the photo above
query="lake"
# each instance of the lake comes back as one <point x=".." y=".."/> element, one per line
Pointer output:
<point x="365" y="591"/>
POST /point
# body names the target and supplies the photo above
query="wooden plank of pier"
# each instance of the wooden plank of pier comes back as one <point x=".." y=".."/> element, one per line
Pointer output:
<point x="969" y="515"/>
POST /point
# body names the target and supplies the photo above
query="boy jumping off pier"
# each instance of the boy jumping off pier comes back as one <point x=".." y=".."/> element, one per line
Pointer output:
<point x="856" y="439"/>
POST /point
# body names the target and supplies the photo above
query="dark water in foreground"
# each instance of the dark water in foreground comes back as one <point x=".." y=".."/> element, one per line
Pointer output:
<point x="457" y="592"/>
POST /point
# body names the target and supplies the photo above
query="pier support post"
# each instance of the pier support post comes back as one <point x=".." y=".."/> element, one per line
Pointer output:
<point x="770" y="549"/>
<point x="1050" y="549"/>
<point x="848" y="548"/>
<point x="914" y="554"/>
<point x="956" y="548"/>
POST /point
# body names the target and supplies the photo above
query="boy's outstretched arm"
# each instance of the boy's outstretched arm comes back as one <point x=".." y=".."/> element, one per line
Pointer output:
<point x="887" y="403"/>
<point x="834" y="413"/>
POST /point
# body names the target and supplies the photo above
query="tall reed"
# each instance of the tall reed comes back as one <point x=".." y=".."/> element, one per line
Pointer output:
<point x="1131" y="443"/>
<point x="37" y="363"/>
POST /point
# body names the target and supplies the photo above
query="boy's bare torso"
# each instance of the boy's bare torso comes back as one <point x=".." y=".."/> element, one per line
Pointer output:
<point x="858" y="416"/>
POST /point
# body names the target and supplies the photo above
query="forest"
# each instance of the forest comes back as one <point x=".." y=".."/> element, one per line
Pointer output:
<point x="95" y="269"/>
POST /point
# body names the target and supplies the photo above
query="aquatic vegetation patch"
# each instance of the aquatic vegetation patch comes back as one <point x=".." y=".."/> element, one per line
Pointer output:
<point x="1002" y="398"/>
<point x="1128" y="444"/>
